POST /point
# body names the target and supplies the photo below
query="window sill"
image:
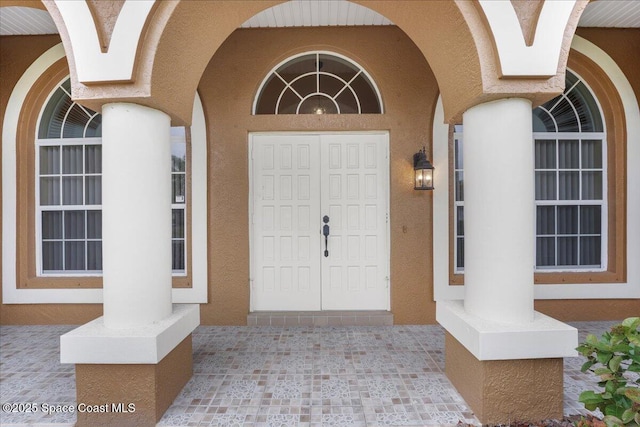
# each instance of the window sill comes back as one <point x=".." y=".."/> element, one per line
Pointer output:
<point x="561" y="277"/>
<point x="84" y="282"/>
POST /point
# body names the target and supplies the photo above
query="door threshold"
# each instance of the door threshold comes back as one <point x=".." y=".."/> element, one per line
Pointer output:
<point x="320" y="318"/>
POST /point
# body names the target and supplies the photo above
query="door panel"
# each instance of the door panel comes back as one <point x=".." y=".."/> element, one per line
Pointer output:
<point x="354" y="186"/>
<point x="285" y="240"/>
<point x="298" y="179"/>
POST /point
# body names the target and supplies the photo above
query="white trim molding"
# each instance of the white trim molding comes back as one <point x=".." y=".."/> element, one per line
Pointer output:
<point x="11" y="294"/>
<point x="442" y="290"/>
<point x="96" y="343"/>
<point x="542" y="338"/>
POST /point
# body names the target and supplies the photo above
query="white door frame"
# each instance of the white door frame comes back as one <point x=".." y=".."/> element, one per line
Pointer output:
<point x="386" y="172"/>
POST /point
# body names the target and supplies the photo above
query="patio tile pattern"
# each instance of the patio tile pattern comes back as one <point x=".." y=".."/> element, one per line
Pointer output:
<point x="279" y="376"/>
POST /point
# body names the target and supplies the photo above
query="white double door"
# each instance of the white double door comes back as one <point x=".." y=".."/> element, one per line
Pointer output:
<point x="296" y="180"/>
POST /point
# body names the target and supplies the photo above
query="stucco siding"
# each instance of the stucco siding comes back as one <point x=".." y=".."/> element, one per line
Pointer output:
<point x="227" y="89"/>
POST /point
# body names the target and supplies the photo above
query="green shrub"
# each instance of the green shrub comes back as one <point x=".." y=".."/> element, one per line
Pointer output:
<point x="611" y="358"/>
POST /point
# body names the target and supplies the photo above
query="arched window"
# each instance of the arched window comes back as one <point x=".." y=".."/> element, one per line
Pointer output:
<point x="570" y="183"/>
<point x="69" y="189"/>
<point x="318" y="83"/>
<point x="69" y="186"/>
<point x="570" y="180"/>
<point x="64" y="118"/>
<point x="576" y="110"/>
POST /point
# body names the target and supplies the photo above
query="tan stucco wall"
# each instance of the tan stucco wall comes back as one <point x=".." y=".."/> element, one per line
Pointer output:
<point x="409" y="110"/>
<point x="588" y="309"/>
<point x="617" y="43"/>
<point x="176" y="32"/>
<point x="453" y="35"/>
<point x="36" y="4"/>
<point x="17" y="53"/>
<point x="227" y="90"/>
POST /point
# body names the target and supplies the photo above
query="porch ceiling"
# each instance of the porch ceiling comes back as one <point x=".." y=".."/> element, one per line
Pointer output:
<point x="15" y="20"/>
<point x="317" y="13"/>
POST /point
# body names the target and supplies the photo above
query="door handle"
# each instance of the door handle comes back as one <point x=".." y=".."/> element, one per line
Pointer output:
<point x="325" y="232"/>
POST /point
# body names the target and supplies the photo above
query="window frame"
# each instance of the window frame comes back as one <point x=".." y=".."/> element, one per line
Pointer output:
<point x="457" y="138"/>
<point x="20" y="285"/>
<point x="603" y="202"/>
<point x="184" y="206"/>
<point x="613" y="231"/>
<point x="30" y="272"/>
<point x="273" y="74"/>
<point x="62" y="142"/>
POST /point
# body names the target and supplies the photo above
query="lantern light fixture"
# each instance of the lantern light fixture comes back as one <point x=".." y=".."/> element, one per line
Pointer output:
<point x="423" y="171"/>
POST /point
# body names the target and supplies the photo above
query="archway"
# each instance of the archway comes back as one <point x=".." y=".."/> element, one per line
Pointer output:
<point x="454" y="37"/>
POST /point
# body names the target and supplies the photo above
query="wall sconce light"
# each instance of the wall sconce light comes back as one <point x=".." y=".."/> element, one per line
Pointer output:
<point x="423" y="171"/>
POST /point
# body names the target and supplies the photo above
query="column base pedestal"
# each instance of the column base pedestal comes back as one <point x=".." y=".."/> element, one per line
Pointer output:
<point x="129" y="377"/>
<point x="506" y="372"/>
<point x="131" y="395"/>
<point x="504" y="391"/>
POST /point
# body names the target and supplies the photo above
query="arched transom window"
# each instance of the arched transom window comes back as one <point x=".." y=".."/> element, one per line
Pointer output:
<point x="318" y="83"/>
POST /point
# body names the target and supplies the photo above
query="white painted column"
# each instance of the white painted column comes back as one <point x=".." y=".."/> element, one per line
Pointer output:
<point x="499" y="215"/>
<point x="136" y="215"/>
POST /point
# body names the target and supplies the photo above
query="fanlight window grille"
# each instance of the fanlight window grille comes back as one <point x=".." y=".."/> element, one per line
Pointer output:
<point x="64" y="118"/>
<point x="318" y="83"/>
<point x="576" y="110"/>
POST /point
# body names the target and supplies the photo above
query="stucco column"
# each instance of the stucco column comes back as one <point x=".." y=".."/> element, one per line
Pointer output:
<point x="499" y="211"/>
<point x="136" y="215"/>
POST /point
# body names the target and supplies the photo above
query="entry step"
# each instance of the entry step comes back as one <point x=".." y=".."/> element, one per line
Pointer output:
<point x="320" y="318"/>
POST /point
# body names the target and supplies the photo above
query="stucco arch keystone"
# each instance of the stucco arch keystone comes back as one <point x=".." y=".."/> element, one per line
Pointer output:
<point x="84" y="38"/>
<point x="456" y="39"/>
<point x="175" y="41"/>
<point x="528" y="12"/>
<point x="537" y="52"/>
<point x="105" y="15"/>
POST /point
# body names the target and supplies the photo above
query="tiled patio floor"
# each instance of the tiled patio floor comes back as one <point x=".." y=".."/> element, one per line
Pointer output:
<point x="278" y="376"/>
